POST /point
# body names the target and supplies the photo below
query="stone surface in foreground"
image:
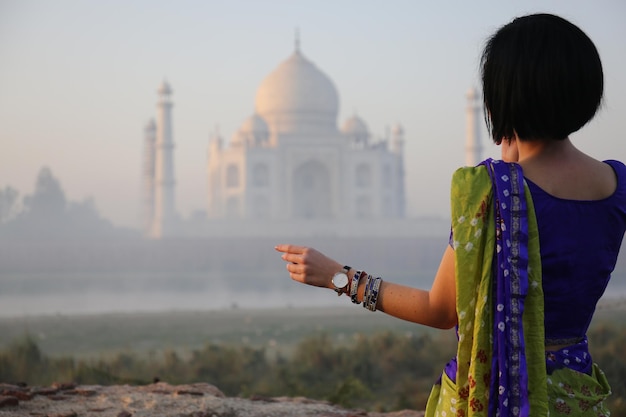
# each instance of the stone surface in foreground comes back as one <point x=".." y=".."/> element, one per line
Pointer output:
<point x="161" y="399"/>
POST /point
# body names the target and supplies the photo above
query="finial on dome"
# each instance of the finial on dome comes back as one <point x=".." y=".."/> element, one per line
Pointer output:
<point x="297" y="39"/>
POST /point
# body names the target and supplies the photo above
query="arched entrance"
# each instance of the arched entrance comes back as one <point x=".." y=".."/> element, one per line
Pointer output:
<point x="311" y="192"/>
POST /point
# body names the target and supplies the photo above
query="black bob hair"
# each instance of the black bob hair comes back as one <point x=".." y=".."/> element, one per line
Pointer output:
<point x="542" y="79"/>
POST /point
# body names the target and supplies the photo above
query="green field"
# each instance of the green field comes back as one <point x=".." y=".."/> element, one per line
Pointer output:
<point x="85" y="336"/>
<point x="90" y="336"/>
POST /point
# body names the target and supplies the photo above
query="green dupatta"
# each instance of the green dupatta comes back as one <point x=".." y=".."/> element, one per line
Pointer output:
<point x="477" y="392"/>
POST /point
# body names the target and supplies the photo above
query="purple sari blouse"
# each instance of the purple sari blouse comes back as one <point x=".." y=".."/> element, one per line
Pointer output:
<point x="579" y="241"/>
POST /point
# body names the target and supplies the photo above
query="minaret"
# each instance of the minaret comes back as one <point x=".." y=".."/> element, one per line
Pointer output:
<point x="214" y="191"/>
<point x="397" y="148"/>
<point x="473" y="146"/>
<point x="149" y="154"/>
<point x="164" y="184"/>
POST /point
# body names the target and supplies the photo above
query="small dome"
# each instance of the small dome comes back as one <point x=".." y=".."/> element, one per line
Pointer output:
<point x="253" y="131"/>
<point x="164" y="88"/>
<point x="356" y="130"/>
<point x="296" y="96"/>
<point x="254" y="124"/>
<point x="355" y="126"/>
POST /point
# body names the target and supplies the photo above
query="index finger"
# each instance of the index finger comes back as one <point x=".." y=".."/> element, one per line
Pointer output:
<point x="290" y="249"/>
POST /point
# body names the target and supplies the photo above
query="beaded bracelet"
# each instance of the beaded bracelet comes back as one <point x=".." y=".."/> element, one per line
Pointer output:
<point x="368" y="291"/>
<point x="376" y="292"/>
<point x="373" y="289"/>
<point x="354" y="286"/>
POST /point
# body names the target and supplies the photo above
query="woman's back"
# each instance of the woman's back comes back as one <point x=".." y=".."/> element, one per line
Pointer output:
<point x="581" y="213"/>
<point x="564" y="172"/>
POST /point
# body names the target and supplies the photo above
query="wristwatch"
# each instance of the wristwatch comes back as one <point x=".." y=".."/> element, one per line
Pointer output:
<point x="340" y="280"/>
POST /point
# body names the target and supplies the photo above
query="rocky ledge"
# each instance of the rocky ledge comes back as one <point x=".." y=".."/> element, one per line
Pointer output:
<point x="161" y="399"/>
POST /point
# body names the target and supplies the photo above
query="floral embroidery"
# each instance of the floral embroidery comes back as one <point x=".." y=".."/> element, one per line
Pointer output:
<point x="562" y="407"/>
<point x="487" y="379"/>
<point x="476" y="404"/>
<point x="568" y="388"/>
<point x="482" y="356"/>
<point x="584" y="405"/>
<point x="464" y="393"/>
<point x="482" y="210"/>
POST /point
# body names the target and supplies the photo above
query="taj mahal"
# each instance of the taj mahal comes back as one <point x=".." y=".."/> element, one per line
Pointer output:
<point x="289" y="169"/>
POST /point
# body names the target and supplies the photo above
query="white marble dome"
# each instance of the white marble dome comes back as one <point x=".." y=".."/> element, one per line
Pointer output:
<point x="298" y="97"/>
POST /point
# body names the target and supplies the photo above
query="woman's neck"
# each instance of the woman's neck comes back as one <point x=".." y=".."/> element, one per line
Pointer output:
<point x="563" y="171"/>
<point x="546" y="152"/>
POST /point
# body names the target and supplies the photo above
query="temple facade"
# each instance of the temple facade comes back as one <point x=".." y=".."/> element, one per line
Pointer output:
<point x="292" y="169"/>
<point x="290" y="161"/>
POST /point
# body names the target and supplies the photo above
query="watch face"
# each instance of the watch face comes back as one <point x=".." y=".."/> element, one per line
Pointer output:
<point x="340" y="280"/>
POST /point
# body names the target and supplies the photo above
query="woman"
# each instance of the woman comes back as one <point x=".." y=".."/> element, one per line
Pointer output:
<point x="534" y="239"/>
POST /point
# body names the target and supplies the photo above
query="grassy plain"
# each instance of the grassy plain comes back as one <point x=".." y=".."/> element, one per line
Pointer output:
<point x="278" y="330"/>
<point x="95" y="336"/>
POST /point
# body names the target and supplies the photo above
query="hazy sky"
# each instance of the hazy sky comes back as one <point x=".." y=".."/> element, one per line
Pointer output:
<point x="78" y="82"/>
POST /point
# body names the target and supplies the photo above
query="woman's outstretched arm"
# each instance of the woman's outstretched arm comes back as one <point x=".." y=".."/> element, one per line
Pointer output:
<point x="434" y="308"/>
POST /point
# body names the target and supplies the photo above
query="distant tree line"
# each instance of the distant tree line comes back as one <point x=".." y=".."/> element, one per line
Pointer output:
<point x="386" y="371"/>
<point x="48" y="214"/>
